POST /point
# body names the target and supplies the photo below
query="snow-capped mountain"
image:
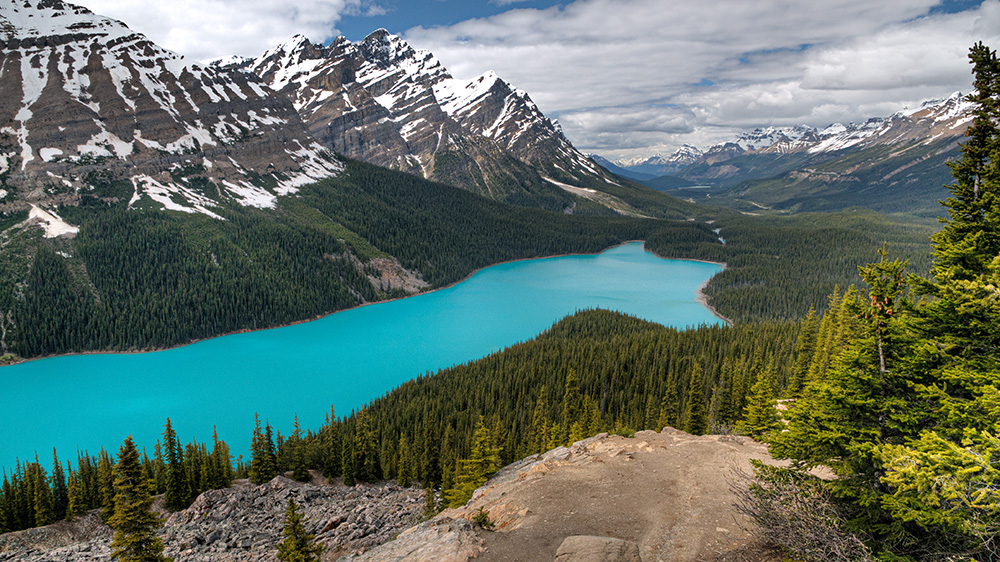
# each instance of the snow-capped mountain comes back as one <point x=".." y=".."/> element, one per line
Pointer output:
<point x="382" y="101"/>
<point x="658" y="165"/>
<point x="86" y="102"/>
<point x="896" y="163"/>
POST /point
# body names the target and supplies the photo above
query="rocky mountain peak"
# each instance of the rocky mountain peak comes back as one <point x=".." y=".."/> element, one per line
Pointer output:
<point x="384" y="102"/>
<point x="85" y="95"/>
<point x="385" y="49"/>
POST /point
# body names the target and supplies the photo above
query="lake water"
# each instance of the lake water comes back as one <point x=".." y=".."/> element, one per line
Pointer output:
<point x="344" y="360"/>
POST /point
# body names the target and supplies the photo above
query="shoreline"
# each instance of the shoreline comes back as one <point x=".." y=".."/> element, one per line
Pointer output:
<point x="700" y="297"/>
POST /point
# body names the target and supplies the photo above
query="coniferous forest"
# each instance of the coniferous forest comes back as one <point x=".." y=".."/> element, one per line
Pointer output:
<point x="890" y="369"/>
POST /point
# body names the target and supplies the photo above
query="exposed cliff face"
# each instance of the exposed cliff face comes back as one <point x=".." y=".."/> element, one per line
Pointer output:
<point x="85" y="102"/>
<point x="384" y="102"/>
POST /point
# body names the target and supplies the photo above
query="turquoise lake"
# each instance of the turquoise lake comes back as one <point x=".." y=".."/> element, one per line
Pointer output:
<point x="343" y="360"/>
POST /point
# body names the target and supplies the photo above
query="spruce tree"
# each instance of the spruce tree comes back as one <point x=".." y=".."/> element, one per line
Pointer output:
<point x="473" y="472"/>
<point x="946" y="477"/>
<point x="42" y="495"/>
<point x="105" y="485"/>
<point x="134" y="523"/>
<point x="805" y="348"/>
<point x="298" y="544"/>
<point x="696" y="413"/>
<point x="76" y="504"/>
<point x="907" y="412"/>
<point x="760" y="416"/>
<point x="263" y="465"/>
<point x="60" y="492"/>
<point x="540" y="424"/>
<point x="299" y="466"/>
<point x="669" y="404"/>
<point x="176" y="493"/>
<point x="571" y="405"/>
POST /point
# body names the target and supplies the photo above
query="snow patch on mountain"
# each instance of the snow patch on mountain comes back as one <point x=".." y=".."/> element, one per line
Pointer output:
<point x="52" y="223"/>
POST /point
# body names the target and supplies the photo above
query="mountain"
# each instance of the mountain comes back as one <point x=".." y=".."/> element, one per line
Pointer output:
<point x="619" y="170"/>
<point x="92" y="111"/>
<point x="658" y="165"/>
<point x="382" y="101"/>
<point x="892" y="164"/>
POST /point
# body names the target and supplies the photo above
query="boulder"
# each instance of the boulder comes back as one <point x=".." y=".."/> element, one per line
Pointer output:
<point x="584" y="548"/>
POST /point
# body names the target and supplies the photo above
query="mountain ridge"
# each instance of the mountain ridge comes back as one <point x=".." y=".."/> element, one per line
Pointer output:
<point x="85" y="95"/>
<point x="384" y="102"/>
<point x="891" y="164"/>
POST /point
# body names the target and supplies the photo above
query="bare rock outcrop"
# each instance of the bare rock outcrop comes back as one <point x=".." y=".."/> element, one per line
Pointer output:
<point x="241" y="524"/>
<point x="666" y="493"/>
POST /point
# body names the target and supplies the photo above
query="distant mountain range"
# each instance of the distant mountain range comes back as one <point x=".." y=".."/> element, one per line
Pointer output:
<point x="896" y="163"/>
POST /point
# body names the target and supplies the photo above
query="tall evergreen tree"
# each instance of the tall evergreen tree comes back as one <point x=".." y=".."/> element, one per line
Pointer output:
<point x="946" y="477"/>
<point x="60" y="492"/>
<point x="299" y="466"/>
<point x="263" y="464"/>
<point x="42" y="495"/>
<point x="134" y="522"/>
<point x="696" y="413"/>
<point x="105" y="477"/>
<point x="176" y="494"/>
<point x="907" y="413"/>
<point x="473" y="472"/>
<point x="760" y="416"/>
<point x="669" y="404"/>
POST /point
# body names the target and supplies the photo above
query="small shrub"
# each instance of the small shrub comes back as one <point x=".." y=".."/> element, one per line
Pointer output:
<point x="794" y="510"/>
<point x="482" y="518"/>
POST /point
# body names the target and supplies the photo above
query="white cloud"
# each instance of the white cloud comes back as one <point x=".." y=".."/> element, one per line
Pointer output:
<point x="627" y="76"/>
<point x="634" y="76"/>
<point x="204" y="29"/>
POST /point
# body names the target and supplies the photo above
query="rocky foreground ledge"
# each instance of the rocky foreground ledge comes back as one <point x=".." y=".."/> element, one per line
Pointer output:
<point x="240" y="524"/>
<point x="655" y="497"/>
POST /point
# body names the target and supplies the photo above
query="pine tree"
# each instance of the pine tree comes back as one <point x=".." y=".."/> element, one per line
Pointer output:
<point x="366" y="450"/>
<point x="946" y="478"/>
<point x="760" y="416"/>
<point x="696" y="413"/>
<point x="263" y="465"/>
<point x="105" y="485"/>
<point x="571" y="405"/>
<point x="404" y="466"/>
<point x="60" y="493"/>
<point x="540" y="424"/>
<point x="76" y="504"/>
<point x="348" y="463"/>
<point x="669" y="405"/>
<point x="300" y="470"/>
<point x="906" y="415"/>
<point x="473" y="472"/>
<point x="430" y="460"/>
<point x="134" y="523"/>
<point x="42" y="495"/>
<point x="298" y="545"/>
<point x="805" y="348"/>
<point x="176" y="493"/>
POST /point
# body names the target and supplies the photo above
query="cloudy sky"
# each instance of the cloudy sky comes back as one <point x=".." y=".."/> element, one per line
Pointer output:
<point x="630" y="78"/>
